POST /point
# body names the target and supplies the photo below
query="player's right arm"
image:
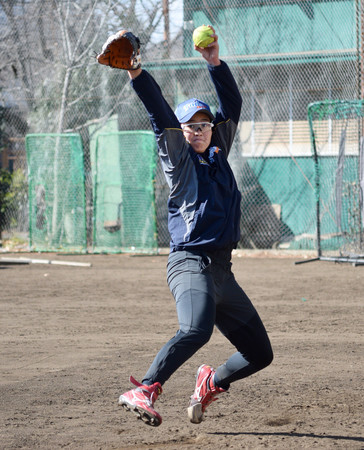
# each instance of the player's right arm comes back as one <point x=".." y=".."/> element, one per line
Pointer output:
<point x="160" y="113"/>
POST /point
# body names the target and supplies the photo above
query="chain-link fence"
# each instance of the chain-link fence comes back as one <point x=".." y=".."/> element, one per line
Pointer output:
<point x="283" y="54"/>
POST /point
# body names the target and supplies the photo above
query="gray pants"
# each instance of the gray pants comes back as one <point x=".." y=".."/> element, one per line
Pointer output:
<point x="207" y="294"/>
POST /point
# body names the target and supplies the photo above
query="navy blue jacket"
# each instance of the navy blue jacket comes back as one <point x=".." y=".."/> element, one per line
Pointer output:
<point x="204" y="201"/>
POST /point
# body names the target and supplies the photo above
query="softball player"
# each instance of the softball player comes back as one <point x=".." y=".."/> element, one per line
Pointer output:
<point x="203" y="220"/>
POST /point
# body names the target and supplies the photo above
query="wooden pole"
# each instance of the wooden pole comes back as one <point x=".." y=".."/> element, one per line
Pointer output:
<point x="166" y="28"/>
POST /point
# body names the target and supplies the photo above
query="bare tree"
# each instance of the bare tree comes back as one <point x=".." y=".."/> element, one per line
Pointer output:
<point x="46" y="55"/>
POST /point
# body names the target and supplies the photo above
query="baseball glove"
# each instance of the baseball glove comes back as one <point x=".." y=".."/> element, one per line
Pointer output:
<point x="121" y="51"/>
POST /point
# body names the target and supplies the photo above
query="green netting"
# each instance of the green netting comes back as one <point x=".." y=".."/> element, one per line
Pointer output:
<point x="337" y="142"/>
<point x="278" y="214"/>
<point x="124" y="203"/>
<point x="57" y="220"/>
<point x="110" y="126"/>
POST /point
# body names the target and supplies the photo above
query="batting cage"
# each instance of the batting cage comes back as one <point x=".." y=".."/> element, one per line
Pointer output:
<point x="124" y="201"/>
<point x="338" y="151"/>
<point x="284" y="55"/>
<point x="57" y="213"/>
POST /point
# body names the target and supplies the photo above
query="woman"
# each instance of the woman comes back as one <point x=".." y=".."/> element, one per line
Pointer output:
<point x="203" y="221"/>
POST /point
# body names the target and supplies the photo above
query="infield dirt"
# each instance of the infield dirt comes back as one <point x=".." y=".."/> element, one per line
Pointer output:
<point x="71" y="336"/>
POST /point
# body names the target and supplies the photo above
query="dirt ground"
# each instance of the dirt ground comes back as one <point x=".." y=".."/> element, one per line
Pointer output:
<point x="71" y="336"/>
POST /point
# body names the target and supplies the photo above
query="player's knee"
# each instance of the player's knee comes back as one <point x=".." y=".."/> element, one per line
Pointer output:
<point x="263" y="358"/>
<point x="199" y="338"/>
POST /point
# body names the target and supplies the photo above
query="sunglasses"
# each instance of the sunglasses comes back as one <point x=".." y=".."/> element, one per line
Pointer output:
<point x="193" y="127"/>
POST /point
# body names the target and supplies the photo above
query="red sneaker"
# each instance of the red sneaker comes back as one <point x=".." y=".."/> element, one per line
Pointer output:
<point x="204" y="394"/>
<point x="141" y="401"/>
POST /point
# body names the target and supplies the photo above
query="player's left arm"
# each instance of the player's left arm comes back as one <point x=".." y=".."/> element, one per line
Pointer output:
<point x="227" y="91"/>
<point x="230" y="101"/>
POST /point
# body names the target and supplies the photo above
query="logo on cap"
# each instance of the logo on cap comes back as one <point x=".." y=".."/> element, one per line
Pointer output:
<point x="188" y="108"/>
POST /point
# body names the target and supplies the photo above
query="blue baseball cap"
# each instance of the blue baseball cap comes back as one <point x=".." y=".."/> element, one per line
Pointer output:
<point x="188" y="108"/>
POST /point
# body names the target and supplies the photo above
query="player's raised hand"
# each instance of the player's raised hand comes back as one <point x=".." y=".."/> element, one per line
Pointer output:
<point x="211" y="52"/>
